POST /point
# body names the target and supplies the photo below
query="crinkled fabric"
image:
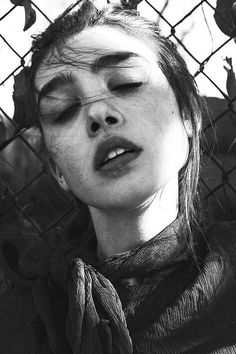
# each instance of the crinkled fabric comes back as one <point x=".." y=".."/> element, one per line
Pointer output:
<point x="79" y="307"/>
<point x="154" y="299"/>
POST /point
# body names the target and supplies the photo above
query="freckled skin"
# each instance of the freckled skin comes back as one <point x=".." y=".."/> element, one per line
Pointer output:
<point x="148" y="116"/>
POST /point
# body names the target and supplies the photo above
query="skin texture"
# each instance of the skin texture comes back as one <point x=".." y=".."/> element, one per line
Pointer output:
<point x="141" y="199"/>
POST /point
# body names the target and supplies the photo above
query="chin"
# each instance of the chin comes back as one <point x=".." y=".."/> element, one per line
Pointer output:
<point x="123" y="201"/>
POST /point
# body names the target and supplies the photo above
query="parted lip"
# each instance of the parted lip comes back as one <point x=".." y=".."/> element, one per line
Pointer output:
<point x="110" y="144"/>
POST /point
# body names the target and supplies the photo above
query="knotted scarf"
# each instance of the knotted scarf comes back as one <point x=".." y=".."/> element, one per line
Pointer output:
<point x="175" y="306"/>
<point x="78" y="307"/>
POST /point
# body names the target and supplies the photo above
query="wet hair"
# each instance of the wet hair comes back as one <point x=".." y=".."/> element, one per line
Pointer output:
<point x="52" y="41"/>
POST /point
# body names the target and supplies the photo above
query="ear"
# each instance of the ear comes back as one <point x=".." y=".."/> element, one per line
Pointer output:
<point x="188" y="127"/>
<point x="56" y="172"/>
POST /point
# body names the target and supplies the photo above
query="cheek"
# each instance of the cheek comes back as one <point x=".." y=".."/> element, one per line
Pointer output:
<point x="156" y="105"/>
<point x="67" y="148"/>
<point x="164" y="127"/>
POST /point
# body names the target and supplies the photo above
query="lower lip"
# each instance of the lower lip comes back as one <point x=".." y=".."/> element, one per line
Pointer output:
<point x="119" y="165"/>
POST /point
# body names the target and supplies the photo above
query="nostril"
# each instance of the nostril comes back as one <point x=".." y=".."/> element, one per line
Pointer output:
<point x="111" y="120"/>
<point x="94" y="127"/>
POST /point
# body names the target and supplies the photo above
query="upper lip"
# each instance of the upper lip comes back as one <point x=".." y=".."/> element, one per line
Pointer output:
<point x="106" y="146"/>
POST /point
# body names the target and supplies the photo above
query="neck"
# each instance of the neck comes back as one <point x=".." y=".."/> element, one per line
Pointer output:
<point x="118" y="231"/>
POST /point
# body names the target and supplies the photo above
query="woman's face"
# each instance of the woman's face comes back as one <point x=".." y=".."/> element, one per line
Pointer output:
<point x="112" y="126"/>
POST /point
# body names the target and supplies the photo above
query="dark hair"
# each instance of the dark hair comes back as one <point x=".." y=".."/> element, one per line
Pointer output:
<point x="54" y="38"/>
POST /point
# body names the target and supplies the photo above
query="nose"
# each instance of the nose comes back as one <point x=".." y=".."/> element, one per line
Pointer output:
<point x="101" y="116"/>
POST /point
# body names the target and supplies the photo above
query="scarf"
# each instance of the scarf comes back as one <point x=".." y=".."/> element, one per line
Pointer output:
<point x="77" y="306"/>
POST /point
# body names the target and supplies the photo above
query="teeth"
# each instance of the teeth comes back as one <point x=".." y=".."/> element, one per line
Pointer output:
<point x="114" y="153"/>
<point x="119" y="151"/>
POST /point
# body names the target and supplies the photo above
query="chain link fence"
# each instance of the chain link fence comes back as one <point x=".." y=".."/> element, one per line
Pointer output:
<point x="31" y="204"/>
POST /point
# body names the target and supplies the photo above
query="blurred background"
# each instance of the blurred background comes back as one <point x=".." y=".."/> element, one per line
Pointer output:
<point x="31" y="203"/>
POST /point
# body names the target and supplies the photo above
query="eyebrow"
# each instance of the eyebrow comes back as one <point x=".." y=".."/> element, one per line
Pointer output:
<point x="105" y="61"/>
<point x="110" y="60"/>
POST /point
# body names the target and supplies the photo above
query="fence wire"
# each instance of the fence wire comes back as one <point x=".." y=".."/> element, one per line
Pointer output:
<point x="30" y="200"/>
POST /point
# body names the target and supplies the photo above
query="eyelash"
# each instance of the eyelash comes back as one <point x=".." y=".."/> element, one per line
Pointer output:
<point x="127" y="87"/>
<point x="67" y="113"/>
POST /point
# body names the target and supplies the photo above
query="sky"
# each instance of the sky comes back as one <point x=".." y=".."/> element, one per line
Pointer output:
<point x="199" y="32"/>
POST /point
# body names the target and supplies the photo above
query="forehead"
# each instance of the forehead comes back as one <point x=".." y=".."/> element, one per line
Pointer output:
<point x="107" y="39"/>
<point x="87" y="45"/>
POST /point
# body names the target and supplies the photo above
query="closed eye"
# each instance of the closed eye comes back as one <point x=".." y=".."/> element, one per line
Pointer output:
<point x="127" y="86"/>
<point x="68" y="113"/>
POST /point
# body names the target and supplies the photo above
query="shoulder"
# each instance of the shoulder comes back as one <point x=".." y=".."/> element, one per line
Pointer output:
<point x="16" y="314"/>
<point x="16" y="305"/>
<point x="217" y="277"/>
<point x="222" y="238"/>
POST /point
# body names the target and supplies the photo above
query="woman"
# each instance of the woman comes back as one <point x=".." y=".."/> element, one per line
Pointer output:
<point x="120" y="118"/>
